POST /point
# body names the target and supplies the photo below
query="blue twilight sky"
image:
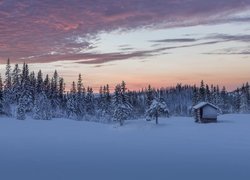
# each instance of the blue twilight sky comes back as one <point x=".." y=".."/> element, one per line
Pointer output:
<point x="160" y="42"/>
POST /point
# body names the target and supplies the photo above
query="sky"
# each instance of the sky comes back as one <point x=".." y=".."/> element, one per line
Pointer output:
<point x="160" y="42"/>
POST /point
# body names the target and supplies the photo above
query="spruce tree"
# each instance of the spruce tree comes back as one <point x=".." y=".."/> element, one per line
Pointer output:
<point x="121" y="105"/>
<point x="243" y="100"/>
<point x="207" y="94"/>
<point x="89" y="102"/>
<point x="7" y="82"/>
<point x="202" y="92"/>
<point x="46" y="85"/>
<point x="21" y="109"/>
<point x="149" y="96"/>
<point x="80" y="98"/>
<point x="156" y="109"/>
<point x="16" y="84"/>
<point x="42" y="107"/>
<point x="195" y="97"/>
<point x="54" y="95"/>
<point x="39" y="82"/>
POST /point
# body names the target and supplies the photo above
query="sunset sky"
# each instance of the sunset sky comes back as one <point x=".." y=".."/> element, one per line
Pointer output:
<point x="157" y="42"/>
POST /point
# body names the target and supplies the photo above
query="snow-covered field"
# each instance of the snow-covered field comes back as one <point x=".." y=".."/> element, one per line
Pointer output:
<point x="177" y="148"/>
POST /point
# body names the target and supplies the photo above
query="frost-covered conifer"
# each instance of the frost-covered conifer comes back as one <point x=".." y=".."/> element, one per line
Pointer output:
<point x="156" y="109"/>
<point x="121" y="105"/>
<point x="21" y="109"/>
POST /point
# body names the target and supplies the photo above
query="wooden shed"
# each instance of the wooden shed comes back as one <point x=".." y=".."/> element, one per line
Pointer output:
<point x="205" y="112"/>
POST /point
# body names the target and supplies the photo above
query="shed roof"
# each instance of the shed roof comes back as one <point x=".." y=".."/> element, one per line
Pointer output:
<point x="202" y="104"/>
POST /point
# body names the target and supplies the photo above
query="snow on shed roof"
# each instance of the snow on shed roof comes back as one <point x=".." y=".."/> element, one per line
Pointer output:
<point x="202" y="104"/>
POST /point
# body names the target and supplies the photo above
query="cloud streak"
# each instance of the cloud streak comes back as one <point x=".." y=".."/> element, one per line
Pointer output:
<point x="39" y="29"/>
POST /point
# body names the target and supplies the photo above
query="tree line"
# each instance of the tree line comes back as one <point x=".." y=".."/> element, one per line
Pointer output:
<point x="24" y="93"/>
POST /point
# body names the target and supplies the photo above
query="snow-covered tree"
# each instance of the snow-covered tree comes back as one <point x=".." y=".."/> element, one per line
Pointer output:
<point x="202" y="92"/>
<point x="46" y="85"/>
<point x="149" y="95"/>
<point x="207" y="94"/>
<point x="89" y="102"/>
<point x="156" y="109"/>
<point x="195" y="98"/>
<point x="39" y="82"/>
<point x="122" y="108"/>
<point x="104" y="103"/>
<point x="54" y="95"/>
<point x="16" y="84"/>
<point x="80" y="98"/>
<point x="71" y="107"/>
<point x="61" y="95"/>
<point x="42" y="107"/>
<point x="7" y="82"/>
<point x="21" y="109"/>
<point x="243" y="102"/>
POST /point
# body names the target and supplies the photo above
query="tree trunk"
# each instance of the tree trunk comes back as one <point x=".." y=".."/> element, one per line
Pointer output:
<point x="121" y="122"/>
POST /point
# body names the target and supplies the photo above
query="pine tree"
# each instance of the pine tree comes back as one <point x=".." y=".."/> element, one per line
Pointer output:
<point x="195" y="97"/>
<point x="237" y="101"/>
<point x="71" y="106"/>
<point x="89" y="102"/>
<point x="101" y="102"/>
<point x="149" y="96"/>
<point x="73" y="88"/>
<point x="61" y="96"/>
<point x="207" y="94"/>
<point x="247" y="91"/>
<point x="80" y="85"/>
<point x="107" y="101"/>
<point x="156" y="109"/>
<point x="202" y="92"/>
<point x="39" y="82"/>
<point x="42" y="107"/>
<point x="225" y="104"/>
<point x="243" y="100"/>
<point x="27" y="97"/>
<point x="16" y="84"/>
<point x="46" y="85"/>
<point x="54" y="95"/>
<point x="80" y="98"/>
<point x="21" y="109"/>
<point x="32" y="79"/>
<point x="7" y="81"/>
<point x="122" y="108"/>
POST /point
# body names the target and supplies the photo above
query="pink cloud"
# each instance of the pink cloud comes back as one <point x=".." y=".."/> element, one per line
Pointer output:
<point x="36" y="28"/>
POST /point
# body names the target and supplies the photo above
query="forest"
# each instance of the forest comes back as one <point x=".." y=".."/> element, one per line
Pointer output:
<point x="24" y="93"/>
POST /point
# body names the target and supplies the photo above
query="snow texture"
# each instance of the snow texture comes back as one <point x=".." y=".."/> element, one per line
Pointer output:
<point x="176" y="149"/>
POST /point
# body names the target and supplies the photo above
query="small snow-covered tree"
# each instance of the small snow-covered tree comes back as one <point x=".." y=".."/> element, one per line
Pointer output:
<point x="156" y="109"/>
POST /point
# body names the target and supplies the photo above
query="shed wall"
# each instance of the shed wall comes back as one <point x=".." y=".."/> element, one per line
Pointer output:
<point x="209" y="112"/>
